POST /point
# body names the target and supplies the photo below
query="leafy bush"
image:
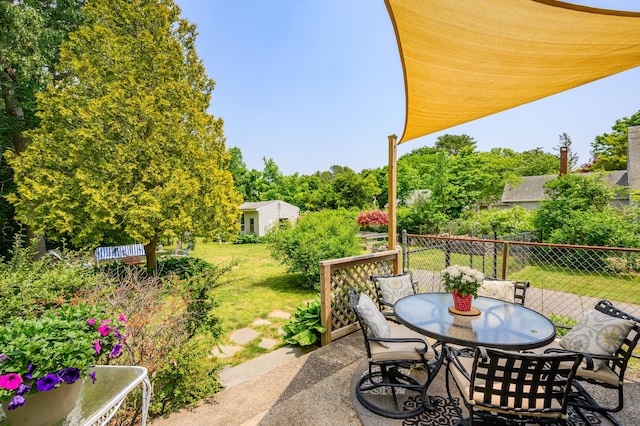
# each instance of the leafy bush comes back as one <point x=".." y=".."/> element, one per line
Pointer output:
<point x="184" y="267"/>
<point x="248" y="239"/>
<point x="424" y="217"/>
<point x="188" y="377"/>
<point x="609" y="227"/>
<point x="562" y="320"/>
<point x="317" y="236"/>
<point x="197" y="291"/>
<point x="484" y="222"/>
<point x="29" y="288"/>
<point x="304" y="327"/>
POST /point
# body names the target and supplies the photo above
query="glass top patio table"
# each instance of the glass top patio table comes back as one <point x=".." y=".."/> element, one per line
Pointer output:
<point x="500" y="324"/>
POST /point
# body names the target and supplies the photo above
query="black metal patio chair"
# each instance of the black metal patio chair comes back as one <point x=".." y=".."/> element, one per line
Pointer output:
<point x="507" y="290"/>
<point x="610" y="373"/>
<point x="512" y="387"/>
<point x="390" y="289"/>
<point x="394" y="354"/>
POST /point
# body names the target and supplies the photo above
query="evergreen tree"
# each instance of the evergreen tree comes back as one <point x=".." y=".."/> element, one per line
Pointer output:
<point x="126" y="150"/>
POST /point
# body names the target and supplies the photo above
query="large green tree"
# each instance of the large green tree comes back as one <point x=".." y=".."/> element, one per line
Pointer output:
<point x="569" y="195"/>
<point x="31" y="32"/>
<point x="126" y="150"/>
<point x="454" y="144"/>
<point x="610" y="149"/>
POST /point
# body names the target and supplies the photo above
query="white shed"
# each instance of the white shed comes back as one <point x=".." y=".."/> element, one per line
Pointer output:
<point x="258" y="217"/>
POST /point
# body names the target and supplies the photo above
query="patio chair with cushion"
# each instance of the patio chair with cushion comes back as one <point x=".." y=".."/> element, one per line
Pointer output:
<point x="400" y="363"/>
<point x="509" y="291"/>
<point x="512" y="387"/>
<point x="390" y="289"/>
<point x="609" y="336"/>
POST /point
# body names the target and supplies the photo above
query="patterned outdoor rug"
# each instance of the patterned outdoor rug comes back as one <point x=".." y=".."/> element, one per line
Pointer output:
<point x="445" y="414"/>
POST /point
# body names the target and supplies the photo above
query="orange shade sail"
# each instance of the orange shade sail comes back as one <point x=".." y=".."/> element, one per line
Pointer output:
<point x="467" y="59"/>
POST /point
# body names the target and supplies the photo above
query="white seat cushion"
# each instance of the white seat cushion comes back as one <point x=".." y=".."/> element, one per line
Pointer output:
<point x="498" y="289"/>
<point x="399" y="351"/>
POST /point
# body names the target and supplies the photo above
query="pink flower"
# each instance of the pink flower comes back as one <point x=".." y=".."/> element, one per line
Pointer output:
<point x="104" y="330"/>
<point x="10" y="381"/>
<point x="91" y="321"/>
<point x="121" y="318"/>
<point x="97" y="347"/>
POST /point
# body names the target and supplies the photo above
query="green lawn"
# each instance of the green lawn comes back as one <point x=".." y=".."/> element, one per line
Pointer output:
<point x="255" y="287"/>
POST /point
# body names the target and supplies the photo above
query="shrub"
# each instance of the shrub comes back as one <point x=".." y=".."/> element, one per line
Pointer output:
<point x="373" y="219"/>
<point x="562" y="320"/>
<point x="29" y="288"/>
<point x="197" y="291"/>
<point x="304" y="328"/>
<point x="484" y="222"/>
<point x="317" y="236"/>
<point x="188" y="376"/>
<point x="184" y="267"/>
<point x="248" y="239"/>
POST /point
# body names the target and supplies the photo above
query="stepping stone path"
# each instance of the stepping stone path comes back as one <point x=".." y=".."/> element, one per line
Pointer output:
<point x="247" y="334"/>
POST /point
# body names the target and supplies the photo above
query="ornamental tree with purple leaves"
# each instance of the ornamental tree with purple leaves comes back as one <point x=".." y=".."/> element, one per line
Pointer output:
<point x="61" y="347"/>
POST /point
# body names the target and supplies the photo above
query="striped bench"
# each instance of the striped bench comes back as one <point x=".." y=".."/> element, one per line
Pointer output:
<point x="132" y="253"/>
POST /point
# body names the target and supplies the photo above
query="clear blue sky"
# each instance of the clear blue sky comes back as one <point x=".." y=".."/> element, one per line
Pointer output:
<point x="313" y="83"/>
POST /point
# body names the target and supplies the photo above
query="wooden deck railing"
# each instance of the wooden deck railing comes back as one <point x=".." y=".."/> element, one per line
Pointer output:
<point x="338" y="275"/>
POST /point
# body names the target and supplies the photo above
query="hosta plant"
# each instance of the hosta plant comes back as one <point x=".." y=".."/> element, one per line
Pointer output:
<point x="304" y="327"/>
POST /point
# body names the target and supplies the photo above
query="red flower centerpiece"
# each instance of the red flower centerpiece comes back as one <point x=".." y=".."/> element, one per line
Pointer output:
<point x="463" y="283"/>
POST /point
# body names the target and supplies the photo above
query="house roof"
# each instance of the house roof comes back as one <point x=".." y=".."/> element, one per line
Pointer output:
<point x="462" y="61"/>
<point x="259" y="204"/>
<point x="531" y="189"/>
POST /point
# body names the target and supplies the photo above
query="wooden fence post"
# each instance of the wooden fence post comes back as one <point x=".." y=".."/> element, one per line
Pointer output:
<point x="325" y="303"/>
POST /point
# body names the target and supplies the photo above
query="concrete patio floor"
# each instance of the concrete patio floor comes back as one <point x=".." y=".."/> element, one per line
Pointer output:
<point x="291" y="386"/>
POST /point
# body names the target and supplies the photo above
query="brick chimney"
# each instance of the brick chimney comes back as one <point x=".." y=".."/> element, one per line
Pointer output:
<point x="633" y="158"/>
<point x="564" y="160"/>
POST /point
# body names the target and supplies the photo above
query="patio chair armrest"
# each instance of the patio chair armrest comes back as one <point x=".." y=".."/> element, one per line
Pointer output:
<point x="385" y="303"/>
<point x="398" y="340"/>
<point x="587" y="357"/>
<point x="454" y="355"/>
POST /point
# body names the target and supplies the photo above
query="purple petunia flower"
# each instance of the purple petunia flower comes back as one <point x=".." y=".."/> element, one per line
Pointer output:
<point x="29" y="374"/>
<point x="97" y="347"/>
<point x="22" y="389"/>
<point x="115" y="351"/>
<point x="93" y="377"/>
<point x="91" y="321"/>
<point x="16" y="402"/>
<point x="47" y="383"/>
<point x="4" y="358"/>
<point x="104" y="330"/>
<point x="69" y="375"/>
<point x="10" y="381"/>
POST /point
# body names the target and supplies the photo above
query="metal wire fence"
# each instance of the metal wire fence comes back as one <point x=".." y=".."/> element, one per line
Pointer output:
<point x="565" y="281"/>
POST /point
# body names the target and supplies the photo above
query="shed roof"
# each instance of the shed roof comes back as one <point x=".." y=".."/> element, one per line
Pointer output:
<point x="259" y="204"/>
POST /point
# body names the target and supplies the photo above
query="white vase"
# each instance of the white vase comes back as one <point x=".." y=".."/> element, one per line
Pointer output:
<point x="44" y="408"/>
